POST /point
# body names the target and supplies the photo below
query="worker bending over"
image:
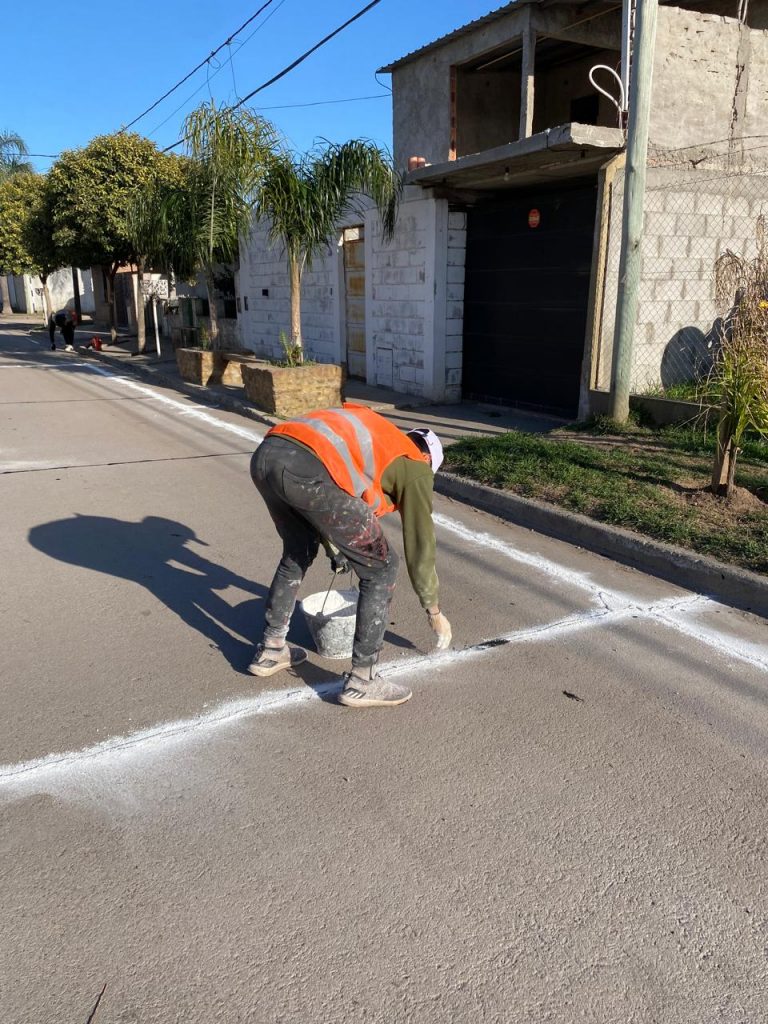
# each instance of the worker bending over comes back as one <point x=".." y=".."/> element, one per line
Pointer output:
<point x="327" y="478"/>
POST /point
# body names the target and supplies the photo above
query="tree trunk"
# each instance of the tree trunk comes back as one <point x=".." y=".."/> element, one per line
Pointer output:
<point x="5" y="295"/>
<point x="296" y="340"/>
<point x="47" y="306"/>
<point x="141" y="323"/>
<point x="210" y="288"/>
<point x="724" y="466"/>
<point x="112" y="302"/>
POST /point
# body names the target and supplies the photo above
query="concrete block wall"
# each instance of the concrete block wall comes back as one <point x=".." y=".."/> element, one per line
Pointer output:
<point x="414" y="291"/>
<point x="695" y="79"/>
<point x="454" y="316"/>
<point x="265" y="299"/>
<point x="690" y="219"/>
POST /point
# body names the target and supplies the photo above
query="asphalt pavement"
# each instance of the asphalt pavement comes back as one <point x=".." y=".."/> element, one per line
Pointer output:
<point x="566" y="823"/>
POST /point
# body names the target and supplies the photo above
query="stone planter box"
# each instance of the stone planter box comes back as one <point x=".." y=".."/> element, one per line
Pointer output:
<point x="205" y="366"/>
<point x="199" y="365"/>
<point x="288" y="391"/>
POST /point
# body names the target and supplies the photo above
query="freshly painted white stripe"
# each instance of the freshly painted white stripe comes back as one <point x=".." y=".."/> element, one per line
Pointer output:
<point x="192" y="412"/>
<point x="755" y="655"/>
<point x="159" y="740"/>
<point x="546" y="566"/>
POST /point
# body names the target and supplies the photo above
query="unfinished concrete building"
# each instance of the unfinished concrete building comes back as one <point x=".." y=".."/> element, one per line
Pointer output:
<point x="500" y="283"/>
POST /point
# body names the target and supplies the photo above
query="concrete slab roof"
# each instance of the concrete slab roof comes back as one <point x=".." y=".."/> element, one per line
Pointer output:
<point x="567" y="151"/>
<point x="500" y="12"/>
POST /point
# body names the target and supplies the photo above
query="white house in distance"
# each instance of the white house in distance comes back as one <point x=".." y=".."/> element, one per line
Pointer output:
<point x="500" y="284"/>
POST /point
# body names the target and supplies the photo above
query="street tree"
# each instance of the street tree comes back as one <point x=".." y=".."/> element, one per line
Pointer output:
<point x="228" y="150"/>
<point x="26" y="245"/>
<point x="150" y="231"/>
<point x="303" y="199"/>
<point x="92" y="190"/>
<point x="738" y="383"/>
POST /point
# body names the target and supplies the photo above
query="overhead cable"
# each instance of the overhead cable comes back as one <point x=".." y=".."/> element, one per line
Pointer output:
<point x="294" y="64"/>
<point x="200" y="65"/>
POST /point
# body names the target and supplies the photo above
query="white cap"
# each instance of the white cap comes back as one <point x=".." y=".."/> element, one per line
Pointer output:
<point x="428" y="441"/>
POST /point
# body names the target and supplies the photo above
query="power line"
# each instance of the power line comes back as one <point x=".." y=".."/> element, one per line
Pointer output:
<point x="200" y="65"/>
<point x="294" y="64"/>
<point x="324" y="103"/>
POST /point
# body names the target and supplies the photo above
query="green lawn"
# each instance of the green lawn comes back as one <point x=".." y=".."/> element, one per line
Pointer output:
<point x="649" y="481"/>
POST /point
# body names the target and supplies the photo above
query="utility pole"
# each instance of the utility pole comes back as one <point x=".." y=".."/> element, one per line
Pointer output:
<point x="632" y="217"/>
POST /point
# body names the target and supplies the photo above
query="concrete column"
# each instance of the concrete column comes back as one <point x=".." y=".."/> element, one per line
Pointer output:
<point x="435" y="294"/>
<point x="526" y="78"/>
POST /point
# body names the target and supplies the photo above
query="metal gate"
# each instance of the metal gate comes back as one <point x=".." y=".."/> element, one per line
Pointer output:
<point x="525" y="300"/>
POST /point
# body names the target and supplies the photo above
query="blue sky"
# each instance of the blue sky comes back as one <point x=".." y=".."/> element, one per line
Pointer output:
<point x="73" y="71"/>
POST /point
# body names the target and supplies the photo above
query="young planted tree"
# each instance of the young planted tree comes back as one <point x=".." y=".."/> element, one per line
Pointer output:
<point x="92" y="190"/>
<point x="304" y="199"/>
<point x="26" y="244"/>
<point x="228" y="151"/>
<point x="738" y="382"/>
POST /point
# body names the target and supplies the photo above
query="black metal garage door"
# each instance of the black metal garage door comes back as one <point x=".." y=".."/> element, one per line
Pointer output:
<point x="525" y="298"/>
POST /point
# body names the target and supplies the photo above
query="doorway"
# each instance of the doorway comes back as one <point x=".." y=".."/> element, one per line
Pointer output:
<point x="353" y="245"/>
<point x="529" y="255"/>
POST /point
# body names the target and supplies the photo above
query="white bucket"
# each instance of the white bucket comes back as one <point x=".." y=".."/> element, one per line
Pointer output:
<point x="333" y="629"/>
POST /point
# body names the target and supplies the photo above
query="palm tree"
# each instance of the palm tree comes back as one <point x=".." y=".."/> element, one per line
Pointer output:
<point x="13" y="149"/>
<point x="228" y="152"/>
<point x="304" y="199"/>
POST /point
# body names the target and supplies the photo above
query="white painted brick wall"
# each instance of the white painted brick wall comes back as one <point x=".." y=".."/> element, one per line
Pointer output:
<point x="399" y="297"/>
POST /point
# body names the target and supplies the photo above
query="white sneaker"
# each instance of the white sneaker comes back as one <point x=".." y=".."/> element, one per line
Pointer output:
<point x="69" y="348"/>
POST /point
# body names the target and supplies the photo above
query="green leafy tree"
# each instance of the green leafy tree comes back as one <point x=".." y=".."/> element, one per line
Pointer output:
<point x="92" y="190"/>
<point x="304" y="199"/>
<point x="227" y="154"/>
<point x="26" y="245"/>
<point x="150" y="232"/>
<point x="738" y="382"/>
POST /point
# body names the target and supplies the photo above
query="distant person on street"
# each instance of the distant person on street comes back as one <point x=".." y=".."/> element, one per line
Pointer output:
<point x="327" y="478"/>
<point x="65" y="320"/>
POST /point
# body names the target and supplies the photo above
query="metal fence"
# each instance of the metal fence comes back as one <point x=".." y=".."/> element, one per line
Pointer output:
<point x="698" y="204"/>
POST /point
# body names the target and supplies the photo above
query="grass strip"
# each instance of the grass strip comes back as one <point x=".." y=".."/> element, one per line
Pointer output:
<point x="656" y="489"/>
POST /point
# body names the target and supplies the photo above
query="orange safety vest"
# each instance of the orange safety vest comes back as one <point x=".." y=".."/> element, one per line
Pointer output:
<point x="355" y="445"/>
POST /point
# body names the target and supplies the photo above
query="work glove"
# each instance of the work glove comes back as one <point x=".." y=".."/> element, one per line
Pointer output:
<point x="441" y="627"/>
<point x="339" y="564"/>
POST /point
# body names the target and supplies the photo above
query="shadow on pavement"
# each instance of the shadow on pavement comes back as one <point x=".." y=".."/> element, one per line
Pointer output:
<point x="155" y="553"/>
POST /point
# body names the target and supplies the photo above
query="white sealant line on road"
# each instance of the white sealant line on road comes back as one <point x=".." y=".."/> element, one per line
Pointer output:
<point x="191" y="412"/>
<point x="546" y="566"/>
<point x="58" y="768"/>
<point x="755" y="655"/>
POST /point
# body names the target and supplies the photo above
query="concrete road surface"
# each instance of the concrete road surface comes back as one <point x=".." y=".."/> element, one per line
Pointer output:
<point x="567" y="823"/>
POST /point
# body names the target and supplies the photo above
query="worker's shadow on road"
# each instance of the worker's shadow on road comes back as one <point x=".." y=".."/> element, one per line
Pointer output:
<point x="165" y="557"/>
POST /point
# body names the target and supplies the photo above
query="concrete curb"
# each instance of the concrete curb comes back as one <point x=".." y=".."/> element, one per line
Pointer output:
<point x="730" y="585"/>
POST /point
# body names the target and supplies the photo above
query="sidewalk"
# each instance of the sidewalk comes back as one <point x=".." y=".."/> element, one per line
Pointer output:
<point x="728" y="584"/>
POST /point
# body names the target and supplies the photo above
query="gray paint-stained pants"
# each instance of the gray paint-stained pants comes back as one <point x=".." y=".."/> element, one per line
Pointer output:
<point x="305" y="505"/>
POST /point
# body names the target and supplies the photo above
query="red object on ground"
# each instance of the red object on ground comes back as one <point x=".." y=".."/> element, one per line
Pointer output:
<point x="96" y="343"/>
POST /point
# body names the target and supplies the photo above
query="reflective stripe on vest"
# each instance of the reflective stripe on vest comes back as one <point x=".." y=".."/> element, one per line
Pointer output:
<point x="355" y="463"/>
